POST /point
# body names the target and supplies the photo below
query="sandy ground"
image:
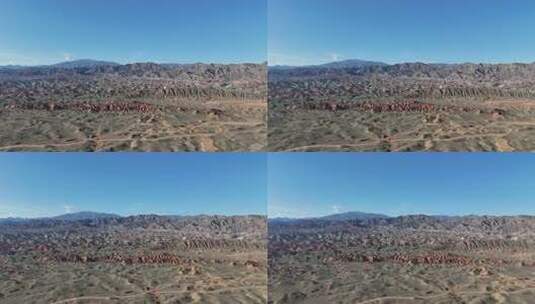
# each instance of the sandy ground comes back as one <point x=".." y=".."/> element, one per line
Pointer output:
<point x="304" y="279"/>
<point x="240" y="127"/>
<point x="351" y="130"/>
<point x="139" y="259"/>
<point x="397" y="284"/>
<point x="116" y="283"/>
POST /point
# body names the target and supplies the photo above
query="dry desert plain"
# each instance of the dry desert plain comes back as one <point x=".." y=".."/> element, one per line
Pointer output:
<point x="91" y="105"/>
<point x="374" y="259"/>
<point x="372" y="106"/>
<point x="101" y="258"/>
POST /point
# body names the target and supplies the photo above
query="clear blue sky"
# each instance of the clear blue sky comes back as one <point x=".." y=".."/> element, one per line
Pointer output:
<point x="35" y="184"/>
<point x="315" y="184"/>
<point x="49" y="31"/>
<point x="316" y="31"/>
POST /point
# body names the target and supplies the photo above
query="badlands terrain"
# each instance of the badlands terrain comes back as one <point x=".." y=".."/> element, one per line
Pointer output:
<point x="373" y="259"/>
<point x="371" y="106"/>
<point x="91" y="105"/>
<point x="102" y="258"/>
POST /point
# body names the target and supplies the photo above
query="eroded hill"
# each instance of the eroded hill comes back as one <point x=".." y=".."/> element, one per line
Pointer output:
<point x="409" y="106"/>
<point x="408" y="259"/>
<point x="142" y="106"/>
<point x="137" y="259"/>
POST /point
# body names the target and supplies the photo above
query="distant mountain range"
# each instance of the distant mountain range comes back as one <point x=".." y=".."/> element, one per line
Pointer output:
<point x="356" y="68"/>
<point x="358" y="63"/>
<point x="364" y="216"/>
<point x="243" y="77"/>
<point x="343" y="64"/>
<point x="198" y="224"/>
<point x="11" y="67"/>
<point x="350" y="63"/>
<point x="353" y="216"/>
<point x="475" y="223"/>
<point x="90" y="63"/>
<point x="346" y="216"/>
<point x="84" y="215"/>
<point x="89" y="215"/>
<point x="361" y="80"/>
<point x="82" y="63"/>
<point x="77" y="216"/>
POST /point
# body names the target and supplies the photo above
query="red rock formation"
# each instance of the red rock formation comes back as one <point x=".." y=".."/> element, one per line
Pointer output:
<point x="380" y="107"/>
<point x="163" y="258"/>
<point x="123" y="107"/>
<point x="429" y="259"/>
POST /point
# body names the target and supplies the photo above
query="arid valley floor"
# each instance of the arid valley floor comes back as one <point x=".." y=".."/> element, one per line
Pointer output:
<point x="102" y="106"/>
<point x="136" y="259"/>
<point x="374" y="259"/>
<point x="371" y="106"/>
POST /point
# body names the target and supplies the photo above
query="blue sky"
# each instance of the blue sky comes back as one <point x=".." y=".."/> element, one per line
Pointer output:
<point x="36" y="184"/>
<point x="315" y="184"/>
<point x="36" y="32"/>
<point x="305" y="32"/>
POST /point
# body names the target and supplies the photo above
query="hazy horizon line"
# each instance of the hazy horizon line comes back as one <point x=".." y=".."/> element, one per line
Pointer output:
<point x="399" y="215"/>
<point x="403" y="62"/>
<point x="132" y="214"/>
<point x="131" y="62"/>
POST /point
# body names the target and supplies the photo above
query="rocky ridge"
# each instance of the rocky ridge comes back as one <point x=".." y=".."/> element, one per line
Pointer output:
<point x="399" y="82"/>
